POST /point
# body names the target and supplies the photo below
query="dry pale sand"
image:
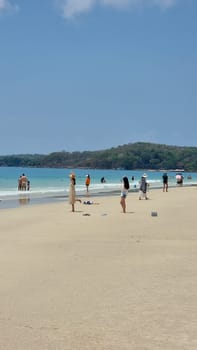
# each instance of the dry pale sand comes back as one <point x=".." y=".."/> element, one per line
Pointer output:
<point x="109" y="280"/>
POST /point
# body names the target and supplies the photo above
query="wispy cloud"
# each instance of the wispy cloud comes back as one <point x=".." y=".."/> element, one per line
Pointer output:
<point x="7" y="5"/>
<point x="116" y="3"/>
<point x="72" y="8"/>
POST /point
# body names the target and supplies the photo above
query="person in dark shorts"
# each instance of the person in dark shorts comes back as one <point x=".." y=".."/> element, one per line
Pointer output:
<point x="165" y="182"/>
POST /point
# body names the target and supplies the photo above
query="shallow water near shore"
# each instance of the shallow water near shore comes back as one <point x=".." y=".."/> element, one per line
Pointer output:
<point x="52" y="185"/>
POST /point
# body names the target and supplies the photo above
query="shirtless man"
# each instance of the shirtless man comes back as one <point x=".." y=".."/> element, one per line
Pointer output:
<point x="23" y="182"/>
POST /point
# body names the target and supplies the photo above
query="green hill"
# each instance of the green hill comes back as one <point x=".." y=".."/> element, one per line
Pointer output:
<point x="131" y="156"/>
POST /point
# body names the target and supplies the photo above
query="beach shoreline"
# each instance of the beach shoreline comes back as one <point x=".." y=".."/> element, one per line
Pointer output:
<point x="51" y="185"/>
<point x="28" y="198"/>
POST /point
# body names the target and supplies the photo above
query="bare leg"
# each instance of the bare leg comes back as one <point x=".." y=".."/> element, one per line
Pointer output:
<point x="123" y="204"/>
<point x="165" y="187"/>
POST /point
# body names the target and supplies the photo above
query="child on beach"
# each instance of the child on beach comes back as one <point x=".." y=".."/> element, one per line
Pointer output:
<point x="124" y="192"/>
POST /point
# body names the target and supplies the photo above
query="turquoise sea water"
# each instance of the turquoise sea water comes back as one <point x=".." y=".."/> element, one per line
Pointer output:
<point x="53" y="184"/>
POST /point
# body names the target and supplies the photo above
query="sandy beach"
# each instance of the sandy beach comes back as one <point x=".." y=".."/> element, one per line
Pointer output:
<point x="98" y="279"/>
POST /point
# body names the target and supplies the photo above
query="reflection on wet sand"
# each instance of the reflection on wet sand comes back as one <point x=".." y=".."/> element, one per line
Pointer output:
<point x="24" y="200"/>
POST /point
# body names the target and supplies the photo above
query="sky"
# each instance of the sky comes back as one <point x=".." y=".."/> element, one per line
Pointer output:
<point x="86" y="75"/>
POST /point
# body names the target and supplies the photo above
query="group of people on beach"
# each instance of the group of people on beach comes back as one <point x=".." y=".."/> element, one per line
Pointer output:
<point x="143" y="188"/>
<point x="179" y="180"/>
<point x="23" y="183"/>
<point x="72" y="193"/>
<point x="124" y="190"/>
<point x="88" y="180"/>
<point x="144" y="185"/>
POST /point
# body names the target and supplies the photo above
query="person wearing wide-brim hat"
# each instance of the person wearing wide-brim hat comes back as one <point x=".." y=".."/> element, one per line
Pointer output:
<point x="143" y="187"/>
<point x="72" y="193"/>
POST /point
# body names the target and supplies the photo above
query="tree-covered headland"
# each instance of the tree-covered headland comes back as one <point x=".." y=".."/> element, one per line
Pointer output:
<point x="131" y="156"/>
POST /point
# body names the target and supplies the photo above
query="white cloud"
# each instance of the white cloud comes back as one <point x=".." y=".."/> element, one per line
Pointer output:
<point x="116" y="3"/>
<point x="164" y="3"/>
<point x="6" y="5"/>
<point x="123" y="3"/>
<point x="71" y="8"/>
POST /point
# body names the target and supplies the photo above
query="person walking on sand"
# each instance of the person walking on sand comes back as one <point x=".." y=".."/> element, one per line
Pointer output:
<point x="143" y="187"/>
<point x="87" y="182"/>
<point x="124" y="192"/>
<point x="165" y="182"/>
<point x="72" y="194"/>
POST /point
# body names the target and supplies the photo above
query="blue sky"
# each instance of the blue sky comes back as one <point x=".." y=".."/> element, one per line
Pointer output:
<point x="81" y="75"/>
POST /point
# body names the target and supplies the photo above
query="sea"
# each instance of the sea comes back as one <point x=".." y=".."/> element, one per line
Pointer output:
<point x="52" y="185"/>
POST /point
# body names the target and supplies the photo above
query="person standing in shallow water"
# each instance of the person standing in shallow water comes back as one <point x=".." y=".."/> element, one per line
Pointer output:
<point x="124" y="192"/>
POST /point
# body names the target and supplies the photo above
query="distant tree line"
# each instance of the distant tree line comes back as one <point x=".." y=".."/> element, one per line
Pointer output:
<point x="131" y="156"/>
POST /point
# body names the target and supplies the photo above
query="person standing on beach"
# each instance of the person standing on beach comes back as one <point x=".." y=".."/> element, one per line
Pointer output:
<point x="143" y="187"/>
<point x="179" y="179"/>
<point x="72" y="194"/>
<point x="165" y="182"/>
<point x="124" y="192"/>
<point x="87" y="182"/>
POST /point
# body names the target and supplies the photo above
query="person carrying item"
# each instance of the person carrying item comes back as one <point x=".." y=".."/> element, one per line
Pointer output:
<point x="143" y="187"/>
